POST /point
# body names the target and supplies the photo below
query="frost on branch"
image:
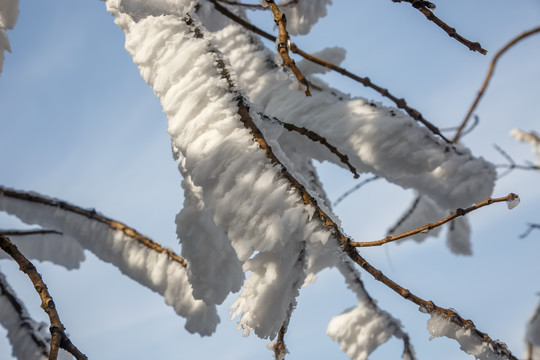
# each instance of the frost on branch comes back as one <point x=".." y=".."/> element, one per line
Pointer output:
<point x="9" y="12"/>
<point x="213" y="267"/>
<point x="359" y="331"/>
<point x="239" y="185"/>
<point x="29" y="339"/>
<point x="468" y="340"/>
<point x="155" y="270"/>
<point x="377" y="139"/>
<point x="303" y="15"/>
<point x="49" y="247"/>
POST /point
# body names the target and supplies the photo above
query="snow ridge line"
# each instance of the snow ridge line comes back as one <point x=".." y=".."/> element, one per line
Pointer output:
<point x="93" y="215"/>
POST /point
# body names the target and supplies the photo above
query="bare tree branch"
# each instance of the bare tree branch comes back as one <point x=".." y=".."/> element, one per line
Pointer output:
<point x="58" y="337"/>
<point x="283" y="45"/>
<point x="488" y="77"/>
<point x="425" y="6"/>
<point x="92" y="214"/>
<point x="428" y="227"/>
<point x="28" y="232"/>
<point x="313" y="136"/>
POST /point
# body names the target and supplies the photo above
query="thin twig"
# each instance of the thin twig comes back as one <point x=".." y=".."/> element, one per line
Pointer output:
<point x="92" y="214"/>
<point x="400" y="103"/>
<point x="407" y="214"/>
<point x="424" y="8"/>
<point x="530" y="228"/>
<point x="488" y="77"/>
<point x="465" y="131"/>
<point x="313" y="136"/>
<point x="58" y="337"/>
<point x="354" y="188"/>
<point x="283" y="45"/>
<point x="511" y="163"/>
<point x="428" y="227"/>
<point x="28" y="232"/>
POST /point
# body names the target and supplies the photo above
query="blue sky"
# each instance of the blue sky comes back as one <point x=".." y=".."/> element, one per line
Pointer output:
<point x="78" y="123"/>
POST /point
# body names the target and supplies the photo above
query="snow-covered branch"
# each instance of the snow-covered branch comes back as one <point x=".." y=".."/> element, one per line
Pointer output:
<point x="59" y="339"/>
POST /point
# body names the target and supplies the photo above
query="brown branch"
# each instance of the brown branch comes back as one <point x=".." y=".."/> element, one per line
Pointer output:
<point x="93" y="215"/>
<point x="28" y="232"/>
<point x="313" y="136"/>
<point x="256" y="6"/>
<point x="488" y="77"/>
<point x="449" y="314"/>
<point x="283" y="45"/>
<point x="423" y="7"/>
<point x="342" y="240"/>
<point x="400" y="103"/>
<point x="58" y="337"/>
<point x="428" y="227"/>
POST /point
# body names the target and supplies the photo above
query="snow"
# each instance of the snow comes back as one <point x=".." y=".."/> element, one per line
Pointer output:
<point x="49" y="247"/>
<point x="532" y="137"/>
<point x="303" y="15"/>
<point x="240" y="186"/>
<point x="9" y="12"/>
<point x="149" y="268"/>
<point x="29" y="339"/>
<point x="377" y="139"/>
<point x="469" y="342"/>
<point x="359" y="331"/>
<point x="334" y="55"/>
<point x="213" y="267"/>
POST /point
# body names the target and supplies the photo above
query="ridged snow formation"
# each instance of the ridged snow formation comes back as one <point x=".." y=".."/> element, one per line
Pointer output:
<point x="468" y="340"/>
<point x="458" y="238"/>
<point x="334" y="55"/>
<point x="9" y="12"/>
<point x="376" y="139"/>
<point x="240" y="185"/>
<point x="152" y="269"/>
<point x="359" y="331"/>
<point x="303" y="15"/>
<point x="49" y="247"/>
<point x="29" y="339"/>
<point x="213" y="267"/>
